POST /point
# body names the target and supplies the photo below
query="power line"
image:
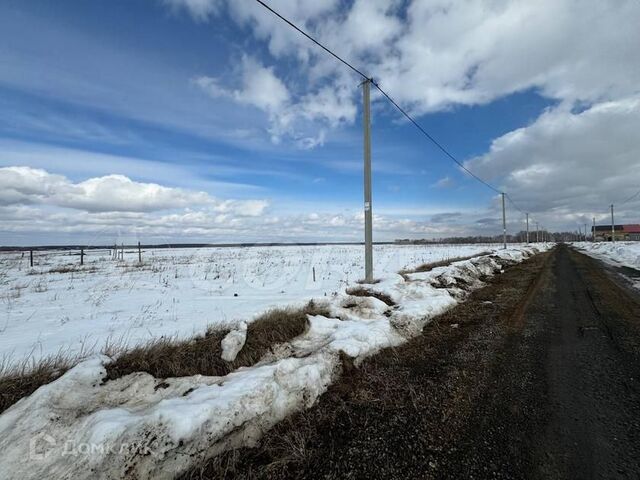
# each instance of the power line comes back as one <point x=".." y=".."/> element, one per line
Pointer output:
<point x="294" y="26"/>
<point x="393" y="102"/>
<point x="435" y="142"/>
<point x="630" y="198"/>
<point x="514" y="203"/>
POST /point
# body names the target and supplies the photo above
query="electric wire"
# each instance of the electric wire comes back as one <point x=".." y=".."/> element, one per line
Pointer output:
<point x="630" y="198"/>
<point x="402" y="110"/>
<point x="299" y="30"/>
<point x="386" y="95"/>
<point x="433" y="140"/>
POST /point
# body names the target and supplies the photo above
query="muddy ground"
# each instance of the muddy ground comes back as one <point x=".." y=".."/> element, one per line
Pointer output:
<point x="537" y="375"/>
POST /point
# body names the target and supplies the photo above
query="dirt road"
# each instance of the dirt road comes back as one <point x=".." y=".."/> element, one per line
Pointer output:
<point x="536" y="376"/>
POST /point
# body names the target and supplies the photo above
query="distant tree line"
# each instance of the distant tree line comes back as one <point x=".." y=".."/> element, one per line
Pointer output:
<point x="519" y="237"/>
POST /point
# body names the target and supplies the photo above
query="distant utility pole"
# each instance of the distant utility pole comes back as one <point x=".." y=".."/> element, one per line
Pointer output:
<point x="368" y="217"/>
<point x="585" y="232"/>
<point x="527" y="214"/>
<point x="537" y="233"/>
<point x="613" y="227"/>
<point x="504" y="224"/>
<point x="593" y="232"/>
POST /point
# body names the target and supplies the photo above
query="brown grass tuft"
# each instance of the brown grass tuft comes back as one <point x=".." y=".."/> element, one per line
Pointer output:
<point x="275" y="326"/>
<point x="167" y="357"/>
<point x="365" y="292"/>
<point x="22" y="380"/>
<point x="73" y="269"/>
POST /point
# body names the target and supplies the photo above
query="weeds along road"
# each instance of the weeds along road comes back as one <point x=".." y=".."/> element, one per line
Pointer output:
<point x="537" y="375"/>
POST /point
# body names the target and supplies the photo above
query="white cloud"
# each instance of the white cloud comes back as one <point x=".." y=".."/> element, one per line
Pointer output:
<point x="35" y="204"/>
<point x="200" y="9"/>
<point x="568" y="165"/>
<point x="260" y="87"/>
<point x="430" y="55"/>
<point x="111" y="193"/>
<point x="444" y="182"/>
<point x="25" y="185"/>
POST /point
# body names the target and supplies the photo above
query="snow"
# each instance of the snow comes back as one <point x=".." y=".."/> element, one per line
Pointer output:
<point x="620" y="253"/>
<point x="175" y="292"/>
<point x="233" y="342"/>
<point x="142" y="427"/>
<point x="105" y="431"/>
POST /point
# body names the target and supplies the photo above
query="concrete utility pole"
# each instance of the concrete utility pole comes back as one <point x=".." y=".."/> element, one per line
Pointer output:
<point x="527" y="228"/>
<point x="593" y="232"/>
<point x="537" y="233"/>
<point x="613" y="227"/>
<point x="368" y="216"/>
<point x="504" y="225"/>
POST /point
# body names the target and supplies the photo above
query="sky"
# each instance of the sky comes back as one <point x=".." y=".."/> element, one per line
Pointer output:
<point x="213" y="121"/>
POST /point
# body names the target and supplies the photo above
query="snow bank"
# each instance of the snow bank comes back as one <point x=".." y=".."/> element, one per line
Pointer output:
<point x="623" y="253"/>
<point x="80" y="426"/>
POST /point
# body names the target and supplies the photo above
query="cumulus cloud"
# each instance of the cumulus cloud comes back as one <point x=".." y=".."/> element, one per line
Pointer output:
<point x="21" y="185"/>
<point x="24" y="185"/>
<point x="452" y="53"/>
<point x="34" y="201"/>
<point x="570" y="163"/>
<point x="261" y="88"/>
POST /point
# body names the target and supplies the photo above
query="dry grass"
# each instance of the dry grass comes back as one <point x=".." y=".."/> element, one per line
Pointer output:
<point x="365" y="292"/>
<point x="276" y="326"/>
<point x="18" y="381"/>
<point x="426" y="267"/>
<point x="166" y="357"/>
<point x="73" y="269"/>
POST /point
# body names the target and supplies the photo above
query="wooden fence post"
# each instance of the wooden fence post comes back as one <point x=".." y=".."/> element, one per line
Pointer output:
<point x="31" y="257"/>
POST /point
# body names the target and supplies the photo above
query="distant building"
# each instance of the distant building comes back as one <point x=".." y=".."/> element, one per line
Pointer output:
<point x="621" y="232"/>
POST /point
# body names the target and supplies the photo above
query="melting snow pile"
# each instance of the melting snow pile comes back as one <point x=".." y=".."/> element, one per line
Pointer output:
<point x="80" y="426"/>
<point x="624" y="253"/>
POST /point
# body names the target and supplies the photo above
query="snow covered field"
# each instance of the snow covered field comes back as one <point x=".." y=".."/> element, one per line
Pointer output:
<point x="621" y="253"/>
<point x="58" y="306"/>
<point x="80" y="426"/>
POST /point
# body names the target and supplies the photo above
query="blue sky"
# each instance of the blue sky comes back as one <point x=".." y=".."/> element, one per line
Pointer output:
<point x="122" y="98"/>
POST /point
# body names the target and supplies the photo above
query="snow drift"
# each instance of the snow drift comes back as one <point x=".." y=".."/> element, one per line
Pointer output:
<point x="622" y="253"/>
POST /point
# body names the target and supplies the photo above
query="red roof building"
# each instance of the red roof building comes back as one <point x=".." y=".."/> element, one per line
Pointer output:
<point x="622" y="232"/>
